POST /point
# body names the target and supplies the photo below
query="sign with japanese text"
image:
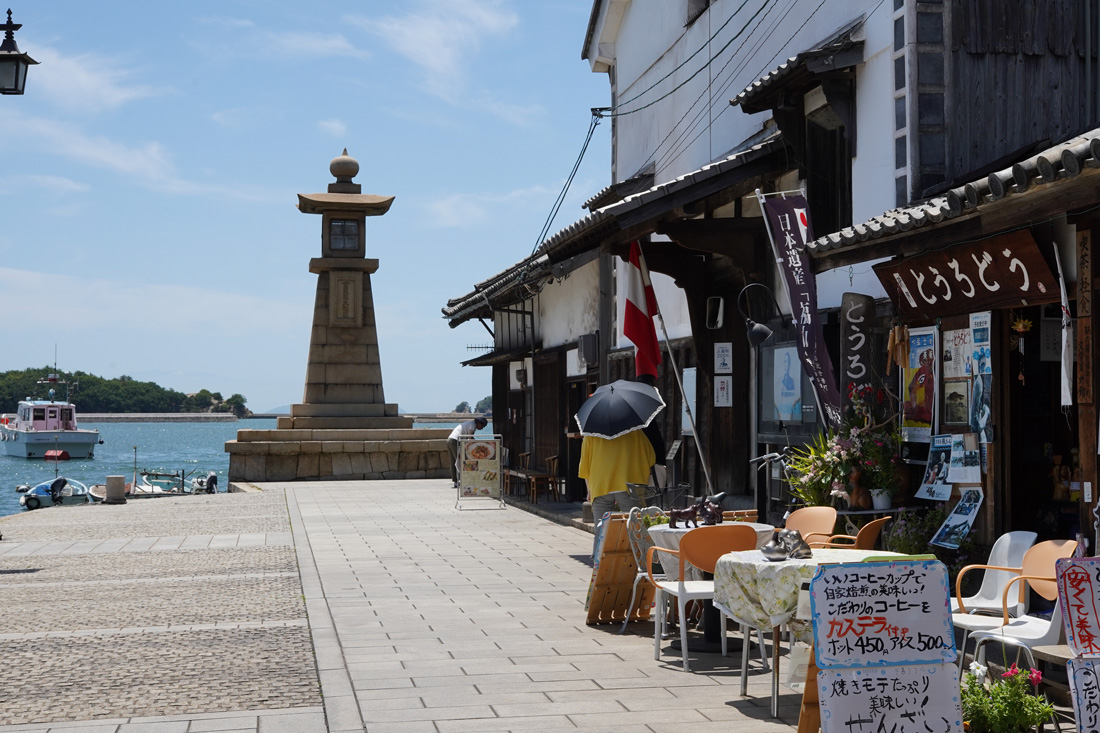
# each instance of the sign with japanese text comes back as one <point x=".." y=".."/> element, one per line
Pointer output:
<point x="1079" y="599"/>
<point x="788" y="221"/>
<point x="881" y="614"/>
<point x="910" y="699"/>
<point x="1001" y="272"/>
<point x="857" y="367"/>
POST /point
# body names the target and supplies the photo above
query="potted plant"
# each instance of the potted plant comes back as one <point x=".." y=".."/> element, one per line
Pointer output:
<point x="1010" y="704"/>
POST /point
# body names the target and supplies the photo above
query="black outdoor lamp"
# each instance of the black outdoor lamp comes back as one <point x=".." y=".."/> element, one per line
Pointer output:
<point x="13" y="64"/>
<point x="758" y="333"/>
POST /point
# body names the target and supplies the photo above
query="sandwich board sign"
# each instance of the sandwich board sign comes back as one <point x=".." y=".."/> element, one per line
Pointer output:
<point x="1079" y="599"/>
<point x="885" y="647"/>
<point x="479" y="469"/>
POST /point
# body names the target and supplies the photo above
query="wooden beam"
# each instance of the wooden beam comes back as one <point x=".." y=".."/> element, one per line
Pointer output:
<point x="733" y="238"/>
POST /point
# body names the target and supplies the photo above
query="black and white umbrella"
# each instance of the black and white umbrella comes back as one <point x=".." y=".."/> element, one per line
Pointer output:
<point x="619" y="408"/>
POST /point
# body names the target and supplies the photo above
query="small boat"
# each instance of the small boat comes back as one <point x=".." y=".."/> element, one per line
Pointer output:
<point x="42" y="425"/>
<point x="56" y="491"/>
<point x="152" y="484"/>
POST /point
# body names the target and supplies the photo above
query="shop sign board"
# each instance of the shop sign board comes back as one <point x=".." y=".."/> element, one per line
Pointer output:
<point x="479" y="469"/>
<point x="857" y="368"/>
<point x="1000" y="272"/>
<point x="1079" y="599"/>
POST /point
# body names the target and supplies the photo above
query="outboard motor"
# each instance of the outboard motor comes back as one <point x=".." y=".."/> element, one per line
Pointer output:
<point x="56" y="488"/>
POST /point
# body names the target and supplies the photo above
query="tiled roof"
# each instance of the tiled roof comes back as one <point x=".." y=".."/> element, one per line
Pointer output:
<point x="599" y="223"/>
<point x="1057" y="163"/>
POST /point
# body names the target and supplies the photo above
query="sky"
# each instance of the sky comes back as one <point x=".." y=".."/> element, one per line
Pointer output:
<point x="149" y="178"/>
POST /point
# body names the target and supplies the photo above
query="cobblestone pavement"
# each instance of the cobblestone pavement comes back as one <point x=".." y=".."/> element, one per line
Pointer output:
<point x="190" y="614"/>
<point x="184" y="611"/>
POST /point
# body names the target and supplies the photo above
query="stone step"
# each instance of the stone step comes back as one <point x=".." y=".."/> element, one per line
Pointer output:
<point x="234" y="447"/>
<point x="399" y="435"/>
<point x="336" y="423"/>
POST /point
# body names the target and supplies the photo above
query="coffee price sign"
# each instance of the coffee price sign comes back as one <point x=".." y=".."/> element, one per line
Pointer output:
<point x="881" y="613"/>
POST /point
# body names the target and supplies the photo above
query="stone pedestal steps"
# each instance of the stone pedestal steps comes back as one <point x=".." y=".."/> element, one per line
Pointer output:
<point x="349" y="454"/>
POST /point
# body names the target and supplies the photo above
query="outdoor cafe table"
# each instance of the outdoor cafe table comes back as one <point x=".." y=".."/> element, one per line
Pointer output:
<point x="762" y="594"/>
<point x="663" y="536"/>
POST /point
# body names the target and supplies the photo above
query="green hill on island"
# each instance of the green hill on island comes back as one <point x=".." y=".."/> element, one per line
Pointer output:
<point x="92" y="394"/>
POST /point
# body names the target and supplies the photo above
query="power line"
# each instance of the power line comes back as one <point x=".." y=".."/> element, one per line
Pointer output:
<point x="597" y="114"/>
<point x="698" y="71"/>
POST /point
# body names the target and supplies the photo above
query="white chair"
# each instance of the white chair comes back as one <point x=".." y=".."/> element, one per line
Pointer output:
<point x="637" y="536"/>
<point x="1008" y="551"/>
<point x="1037" y="570"/>
<point x="701" y="548"/>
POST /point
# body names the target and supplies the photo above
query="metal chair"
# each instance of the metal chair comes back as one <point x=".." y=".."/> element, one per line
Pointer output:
<point x="701" y="548"/>
<point x="1038" y="571"/>
<point x="1007" y="551"/>
<point x="638" y="536"/>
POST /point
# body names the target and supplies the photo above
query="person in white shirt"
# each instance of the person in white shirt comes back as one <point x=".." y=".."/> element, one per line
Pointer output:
<point x="462" y="429"/>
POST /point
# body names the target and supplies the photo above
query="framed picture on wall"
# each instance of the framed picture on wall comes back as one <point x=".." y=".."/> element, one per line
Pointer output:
<point x="956" y="401"/>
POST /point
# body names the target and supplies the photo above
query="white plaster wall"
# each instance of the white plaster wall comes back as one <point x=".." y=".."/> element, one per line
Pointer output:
<point x="569" y="308"/>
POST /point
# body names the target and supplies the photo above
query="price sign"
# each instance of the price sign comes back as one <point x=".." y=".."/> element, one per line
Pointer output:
<point x="881" y="614"/>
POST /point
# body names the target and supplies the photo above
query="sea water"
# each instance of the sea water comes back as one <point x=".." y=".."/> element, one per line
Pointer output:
<point x="195" y="449"/>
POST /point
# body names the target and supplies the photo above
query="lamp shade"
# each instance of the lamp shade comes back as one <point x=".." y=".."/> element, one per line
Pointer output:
<point x="13" y="64"/>
<point x="758" y="333"/>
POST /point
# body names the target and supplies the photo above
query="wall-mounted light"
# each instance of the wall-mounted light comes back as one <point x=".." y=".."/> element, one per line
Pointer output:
<point x="757" y="333"/>
<point x="521" y="377"/>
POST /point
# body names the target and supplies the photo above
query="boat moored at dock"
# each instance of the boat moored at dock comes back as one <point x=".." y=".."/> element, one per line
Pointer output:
<point x="41" y="425"/>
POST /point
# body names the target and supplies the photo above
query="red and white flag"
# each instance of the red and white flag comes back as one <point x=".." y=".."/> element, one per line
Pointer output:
<point x="641" y="306"/>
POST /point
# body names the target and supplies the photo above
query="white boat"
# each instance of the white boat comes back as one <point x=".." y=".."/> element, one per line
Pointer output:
<point x="56" y="491"/>
<point x="41" y="425"/>
<point x="152" y="484"/>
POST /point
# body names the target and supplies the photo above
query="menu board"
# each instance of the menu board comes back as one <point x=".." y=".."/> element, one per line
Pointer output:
<point x="1084" y="687"/>
<point x="911" y="699"/>
<point x="479" y="467"/>
<point x="885" y="647"/>
<point x="881" y="614"/>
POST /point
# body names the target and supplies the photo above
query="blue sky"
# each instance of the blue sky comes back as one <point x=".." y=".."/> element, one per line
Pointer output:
<point x="150" y="173"/>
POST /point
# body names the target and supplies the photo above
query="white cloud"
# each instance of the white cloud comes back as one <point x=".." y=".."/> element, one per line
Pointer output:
<point x="462" y="210"/>
<point x="88" y="83"/>
<point x="333" y="128"/>
<point x="441" y="36"/>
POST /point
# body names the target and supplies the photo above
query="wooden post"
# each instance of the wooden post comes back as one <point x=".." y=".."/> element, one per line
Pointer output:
<point x="1086" y="408"/>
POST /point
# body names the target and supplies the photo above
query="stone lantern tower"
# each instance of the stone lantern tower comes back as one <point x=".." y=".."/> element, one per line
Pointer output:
<point x="343" y="427"/>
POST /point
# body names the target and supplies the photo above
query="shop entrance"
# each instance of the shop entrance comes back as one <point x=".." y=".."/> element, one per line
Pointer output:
<point x="1043" y="438"/>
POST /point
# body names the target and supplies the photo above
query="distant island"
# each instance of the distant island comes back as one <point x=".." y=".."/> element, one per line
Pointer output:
<point x="97" y="395"/>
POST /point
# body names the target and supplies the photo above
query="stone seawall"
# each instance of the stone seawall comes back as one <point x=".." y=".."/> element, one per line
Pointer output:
<point x="158" y="417"/>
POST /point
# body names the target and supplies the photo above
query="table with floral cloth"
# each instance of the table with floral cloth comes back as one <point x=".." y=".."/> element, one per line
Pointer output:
<point x="764" y="594"/>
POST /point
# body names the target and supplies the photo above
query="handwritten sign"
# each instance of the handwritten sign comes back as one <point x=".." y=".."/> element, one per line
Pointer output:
<point x="1084" y="686"/>
<point x="881" y="614"/>
<point x="911" y="699"/>
<point x="1079" y="599"/>
<point x="1004" y="271"/>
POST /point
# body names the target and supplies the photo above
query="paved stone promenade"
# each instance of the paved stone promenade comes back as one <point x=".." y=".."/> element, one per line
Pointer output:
<point x="337" y="606"/>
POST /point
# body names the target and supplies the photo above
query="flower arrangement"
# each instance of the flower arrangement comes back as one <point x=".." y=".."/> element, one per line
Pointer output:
<point x="824" y="468"/>
<point x="1008" y="705"/>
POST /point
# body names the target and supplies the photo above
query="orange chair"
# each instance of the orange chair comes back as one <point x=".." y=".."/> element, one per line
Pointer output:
<point x="1038" y="572"/>
<point x="700" y="548"/>
<point x="865" y="539"/>
<point x="813" y="522"/>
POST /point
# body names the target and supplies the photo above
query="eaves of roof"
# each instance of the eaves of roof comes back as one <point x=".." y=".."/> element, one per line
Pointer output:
<point x="593" y="229"/>
<point x="498" y="356"/>
<point x="1057" y="165"/>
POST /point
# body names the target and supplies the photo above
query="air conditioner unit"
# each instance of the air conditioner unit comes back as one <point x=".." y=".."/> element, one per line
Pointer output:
<point x="588" y="348"/>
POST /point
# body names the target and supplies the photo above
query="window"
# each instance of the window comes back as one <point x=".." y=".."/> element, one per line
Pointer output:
<point x="343" y="234"/>
<point x="695" y="9"/>
<point x="40" y="413"/>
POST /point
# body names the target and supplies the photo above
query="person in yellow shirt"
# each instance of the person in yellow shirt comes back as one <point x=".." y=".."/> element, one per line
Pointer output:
<point x="608" y="465"/>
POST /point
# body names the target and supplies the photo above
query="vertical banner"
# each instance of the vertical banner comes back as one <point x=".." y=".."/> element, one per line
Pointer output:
<point x="918" y="386"/>
<point x="788" y="221"/>
<point x="857" y="375"/>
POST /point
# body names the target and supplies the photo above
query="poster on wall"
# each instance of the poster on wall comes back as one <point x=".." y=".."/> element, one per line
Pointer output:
<point x="981" y="410"/>
<point x="956" y="353"/>
<point x="787" y="384"/>
<point x="958" y="523"/>
<point x="918" y="385"/>
<point x="723" y="358"/>
<point x="981" y="356"/>
<point x="936" y="484"/>
<point x="723" y="391"/>
<point x="956" y="401"/>
<point x="965" y="460"/>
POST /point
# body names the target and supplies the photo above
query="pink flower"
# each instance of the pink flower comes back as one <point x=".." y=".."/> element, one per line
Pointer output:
<point x="1035" y="677"/>
<point x="1011" y="671"/>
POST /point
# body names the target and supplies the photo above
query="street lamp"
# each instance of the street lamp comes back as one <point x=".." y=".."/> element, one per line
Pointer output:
<point x="758" y="333"/>
<point x="13" y="64"/>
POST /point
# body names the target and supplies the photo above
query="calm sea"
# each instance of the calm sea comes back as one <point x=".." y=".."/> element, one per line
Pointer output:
<point x="193" y="448"/>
